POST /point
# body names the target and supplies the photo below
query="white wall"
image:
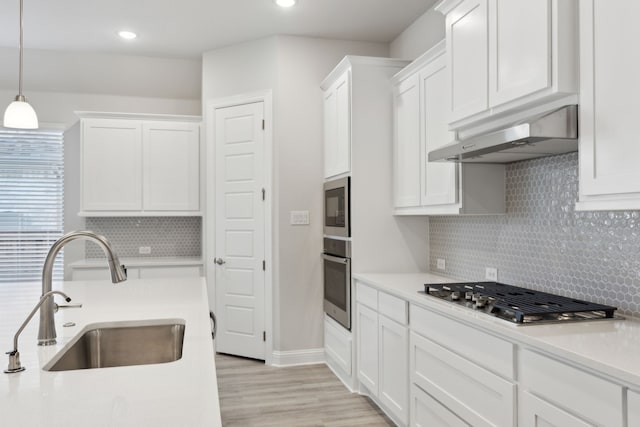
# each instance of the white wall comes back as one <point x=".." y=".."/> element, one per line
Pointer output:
<point x="125" y="75"/>
<point x="419" y="37"/>
<point x="293" y="68"/>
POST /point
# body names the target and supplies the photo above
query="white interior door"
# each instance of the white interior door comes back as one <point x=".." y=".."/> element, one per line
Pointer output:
<point x="239" y="230"/>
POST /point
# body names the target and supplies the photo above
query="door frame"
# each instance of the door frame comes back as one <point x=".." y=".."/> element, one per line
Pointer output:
<point x="266" y="97"/>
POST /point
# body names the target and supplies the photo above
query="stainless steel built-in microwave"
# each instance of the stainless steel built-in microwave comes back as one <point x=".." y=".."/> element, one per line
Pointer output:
<point x="336" y="207"/>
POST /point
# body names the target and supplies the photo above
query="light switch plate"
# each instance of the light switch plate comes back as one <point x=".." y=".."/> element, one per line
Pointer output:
<point x="299" y="217"/>
<point x="144" y="250"/>
<point x="441" y="264"/>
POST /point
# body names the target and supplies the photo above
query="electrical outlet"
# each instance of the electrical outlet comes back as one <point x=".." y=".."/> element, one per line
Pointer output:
<point x="441" y="264"/>
<point x="144" y="250"/>
<point x="491" y="273"/>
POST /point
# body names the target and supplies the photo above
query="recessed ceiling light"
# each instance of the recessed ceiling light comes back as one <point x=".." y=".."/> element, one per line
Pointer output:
<point x="127" y="35"/>
<point x="286" y="3"/>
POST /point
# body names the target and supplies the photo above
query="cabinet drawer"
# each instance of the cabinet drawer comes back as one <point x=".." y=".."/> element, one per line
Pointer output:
<point x="534" y="412"/>
<point x="337" y="344"/>
<point x="167" y="272"/>
<point x="577" y="391"/>
<point x="367" y="295"/>
<point x="428" y="412"/>
<point x="473" y="393"/>
<point x="484" y="349"/>
<point x="393" y="307"/>
<point x="100" y="273"/>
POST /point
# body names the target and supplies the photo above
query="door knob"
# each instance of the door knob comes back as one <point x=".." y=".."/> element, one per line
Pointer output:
<point x="219" y="261"/>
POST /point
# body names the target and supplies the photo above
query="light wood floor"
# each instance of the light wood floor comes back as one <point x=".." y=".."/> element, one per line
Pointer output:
<point x="252" y="394"/>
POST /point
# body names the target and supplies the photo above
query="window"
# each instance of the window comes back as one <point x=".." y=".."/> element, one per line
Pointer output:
<point x="31" y="202"/>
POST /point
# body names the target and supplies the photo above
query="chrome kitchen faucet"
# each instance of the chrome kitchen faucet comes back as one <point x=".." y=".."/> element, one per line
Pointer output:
<point x="47" y="332"/>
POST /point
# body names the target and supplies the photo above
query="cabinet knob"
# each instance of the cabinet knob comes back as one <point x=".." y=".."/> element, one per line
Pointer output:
<point x="219" y="261"/>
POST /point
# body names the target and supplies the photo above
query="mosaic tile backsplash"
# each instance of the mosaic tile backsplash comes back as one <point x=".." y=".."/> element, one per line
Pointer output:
<point x="543" y="243"/>
<point x="166" y="236"/>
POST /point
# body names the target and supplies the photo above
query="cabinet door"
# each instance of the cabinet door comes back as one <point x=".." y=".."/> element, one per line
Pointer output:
<point x="337" y="127"/>
<point x="171" y="166"/>
<point x="407" y="158"/>
<point x="367" y="321"/>
<point x="393" y="368"/>
<point x="467" y="41"/>
<point x="633" y="405"/>
<point x="111" y="158"/>
<point x="439" y="181"/>
<point x="428" y="412"/>
<point x="519" y="49"/>
<point x="330" y="131"/>
<point x="609" y="90"/>
<point x="533" y="412"/>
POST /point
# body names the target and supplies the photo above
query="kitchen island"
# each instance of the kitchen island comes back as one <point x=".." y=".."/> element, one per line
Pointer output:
<point x="180" y="393"/>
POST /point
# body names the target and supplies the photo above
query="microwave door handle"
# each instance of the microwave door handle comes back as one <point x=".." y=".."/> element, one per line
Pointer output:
<point x="335" y="259"/>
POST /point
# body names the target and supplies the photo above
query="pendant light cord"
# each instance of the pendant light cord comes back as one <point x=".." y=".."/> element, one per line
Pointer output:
<point x="20" y="62"/>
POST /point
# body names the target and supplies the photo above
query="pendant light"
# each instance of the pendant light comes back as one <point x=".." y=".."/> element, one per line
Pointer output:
<point x="19" y="114"/>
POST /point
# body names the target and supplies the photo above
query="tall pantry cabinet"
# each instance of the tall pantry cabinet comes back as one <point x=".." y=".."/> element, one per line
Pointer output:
<point x="358" y="124"/>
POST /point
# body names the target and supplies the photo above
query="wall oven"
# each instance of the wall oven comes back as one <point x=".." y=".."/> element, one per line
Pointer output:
<point x="337" y="280"/>
<point x="336" y="207"/>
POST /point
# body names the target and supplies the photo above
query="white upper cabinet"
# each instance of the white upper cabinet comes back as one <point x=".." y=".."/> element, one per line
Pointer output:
<point x="407" y="139"/>
<point x="172" y="166"/>
<point x="505" y="56"/>
<point x="111" y="165"/>
<point x="467" y="58"/>
<point x="609" y="92"/>
<point x="131" y="166"/>
<point x="337" y="126"/>
<point x="421" y="101"/>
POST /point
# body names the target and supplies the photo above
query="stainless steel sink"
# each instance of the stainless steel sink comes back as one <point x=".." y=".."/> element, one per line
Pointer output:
<point x="104" y="345"/>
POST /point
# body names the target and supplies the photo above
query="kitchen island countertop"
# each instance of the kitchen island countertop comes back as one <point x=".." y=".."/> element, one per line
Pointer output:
<point x="180" y="393"/>
<point x="610" y="347"/>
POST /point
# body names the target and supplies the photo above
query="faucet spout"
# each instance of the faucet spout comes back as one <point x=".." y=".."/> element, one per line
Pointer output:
<point x="47" y="331"/>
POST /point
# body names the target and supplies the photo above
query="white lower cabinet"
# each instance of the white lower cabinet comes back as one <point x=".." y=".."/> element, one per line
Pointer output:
<point x="633" y="407"/>
<point x="382" y="346"/>
<point x="476" y="395"/>
<point x="535" y="412"/>
<point x="338" y="344"/>
<point x="428" y="412"/>
<point x="368" y="348"/>
<point x="146" y="272"/>
<point x="426" y="368"/>
<point x="586" y="396"/>
<point x="393" y="389"/>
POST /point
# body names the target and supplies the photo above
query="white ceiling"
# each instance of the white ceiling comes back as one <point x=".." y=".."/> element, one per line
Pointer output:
<point x="186" y="28"/>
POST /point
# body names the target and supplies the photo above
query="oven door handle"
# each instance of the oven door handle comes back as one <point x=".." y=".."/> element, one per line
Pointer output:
<point x="335" y="259"/>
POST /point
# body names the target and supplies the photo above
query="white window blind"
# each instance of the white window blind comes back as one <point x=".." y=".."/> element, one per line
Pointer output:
<point x="31" y="202"/>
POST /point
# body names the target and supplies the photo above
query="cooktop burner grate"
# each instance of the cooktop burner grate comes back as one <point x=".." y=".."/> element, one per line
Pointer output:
<point x="519" y="305"/>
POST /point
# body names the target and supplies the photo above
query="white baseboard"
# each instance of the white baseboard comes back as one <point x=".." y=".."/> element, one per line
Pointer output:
<point x="341" y="376"/>
<point x="311" y="356"/>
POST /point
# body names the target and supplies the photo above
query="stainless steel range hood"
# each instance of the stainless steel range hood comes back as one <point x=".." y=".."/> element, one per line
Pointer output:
<point x="554" y="132"/>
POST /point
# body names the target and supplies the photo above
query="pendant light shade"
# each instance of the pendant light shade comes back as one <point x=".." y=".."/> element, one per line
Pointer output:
<point x="19" y="114"/>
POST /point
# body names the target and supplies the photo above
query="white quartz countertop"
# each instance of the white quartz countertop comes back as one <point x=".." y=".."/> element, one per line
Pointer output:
<point x="611" y="347"/>
<point x="180" y="393"/>
<point x="139" y="262"/>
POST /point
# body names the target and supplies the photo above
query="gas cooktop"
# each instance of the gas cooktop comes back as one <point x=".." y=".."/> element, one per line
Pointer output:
<point x="518" y="305"/>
